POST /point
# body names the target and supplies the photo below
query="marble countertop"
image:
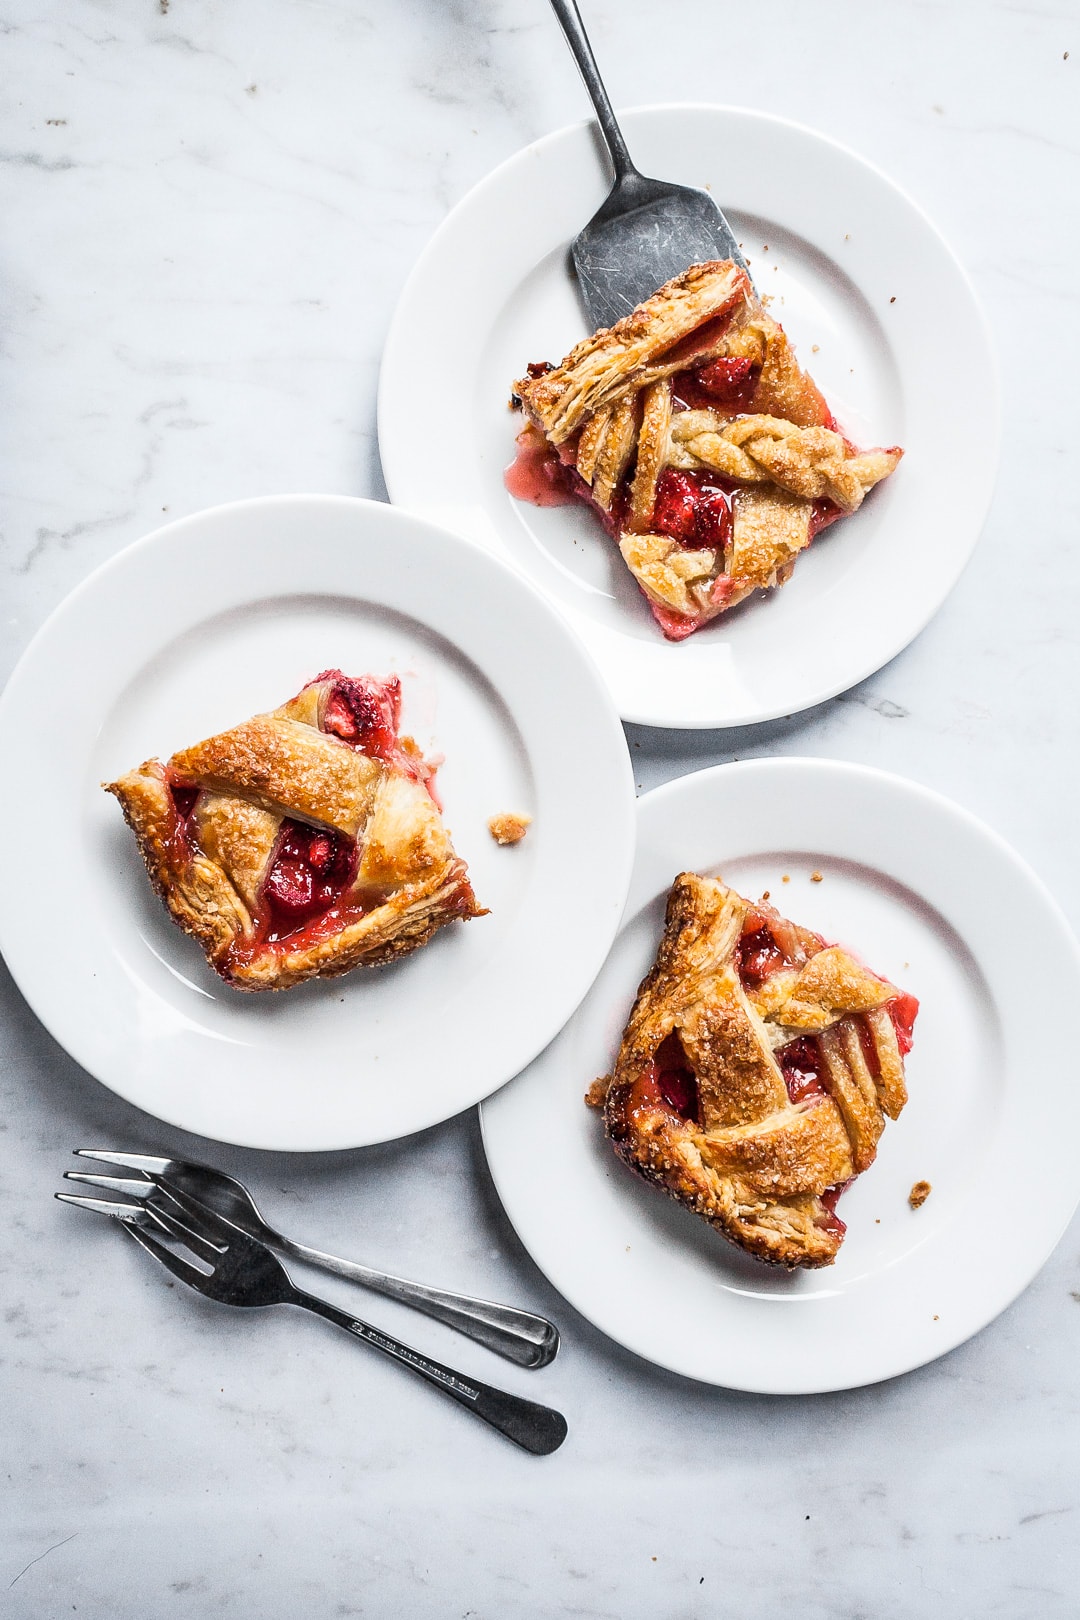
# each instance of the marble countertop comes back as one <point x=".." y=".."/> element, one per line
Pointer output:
<point x="209" y="213"/>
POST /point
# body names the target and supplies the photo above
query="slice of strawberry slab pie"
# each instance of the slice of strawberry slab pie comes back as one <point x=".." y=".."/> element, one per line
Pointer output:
<point x="304" y="842"/>
<point x="756" y="1072"/>
<point x="709" y="456"/>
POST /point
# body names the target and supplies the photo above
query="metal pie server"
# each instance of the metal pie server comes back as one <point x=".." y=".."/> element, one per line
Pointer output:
<point x="647" y="230"/>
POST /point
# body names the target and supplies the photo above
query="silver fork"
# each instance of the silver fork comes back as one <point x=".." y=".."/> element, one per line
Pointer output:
<point x="242" y="1271"/>
<point x="528" y="1340"/>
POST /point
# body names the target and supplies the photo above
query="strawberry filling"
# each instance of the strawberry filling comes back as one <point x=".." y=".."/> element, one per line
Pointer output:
<point x="675" y="509"/>
<point x="675" y="1079"/>
<point x="903" y="1010"/>
<point x="802" y="1066"/>
<point x="306" y="895"/>
<point x="366" y="713"/>
<point x="869" y="1049"/>
<point x="679" y="1090"/>
<point x="308" y="874"/>
<point x="183" y="836"/>
<point x="830" y="1221"/>
<point x="363" y="713"/>
<point x="537" y="475"/>
<point x="676" y="626"/>
<point x="694" y="509"/>
<point x="184" y="799"/>
<point x="669" y="1080"/>
<point x="730" y="384"/>
<point x="757" y="955"/>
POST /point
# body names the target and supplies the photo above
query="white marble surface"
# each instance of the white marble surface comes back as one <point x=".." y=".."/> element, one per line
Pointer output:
<point x="208" y="213"/>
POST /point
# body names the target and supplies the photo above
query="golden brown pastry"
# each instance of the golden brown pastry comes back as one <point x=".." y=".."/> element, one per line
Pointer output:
<point x="302" y="843"/>
<point x="755" y="1072"/>
<point x="709" y="455"/>
<point x="509" y="828"/>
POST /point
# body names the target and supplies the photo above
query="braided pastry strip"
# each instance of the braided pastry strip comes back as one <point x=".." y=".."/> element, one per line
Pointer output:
<point x="750" y="1160"/>
<point x="811" y="462"/>
<point x="328" y="770"/>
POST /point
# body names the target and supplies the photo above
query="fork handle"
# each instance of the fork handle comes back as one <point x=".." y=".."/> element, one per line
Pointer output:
<point x="531" y="1341"/>
<point x="535" y="1428"/>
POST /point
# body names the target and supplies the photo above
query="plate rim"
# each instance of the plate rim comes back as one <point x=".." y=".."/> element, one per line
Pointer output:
<point x="947" y="579"/>
<point x="35" y="988"/>
<point x="904" y="1362"/>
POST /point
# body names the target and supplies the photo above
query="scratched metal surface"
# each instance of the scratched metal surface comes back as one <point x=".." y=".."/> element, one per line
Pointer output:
<point x="646" y="232"/>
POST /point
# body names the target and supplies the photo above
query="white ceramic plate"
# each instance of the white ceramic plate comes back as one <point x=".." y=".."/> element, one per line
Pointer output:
<point x="226" y="614"/>
<point x="934" y="900"/>
<point x="881" y="313"/>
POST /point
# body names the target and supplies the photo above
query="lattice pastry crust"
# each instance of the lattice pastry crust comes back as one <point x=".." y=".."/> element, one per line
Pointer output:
<point x="708" y="453"/>
<point x="755" y="1073"/>
<point x="302" y="843"/>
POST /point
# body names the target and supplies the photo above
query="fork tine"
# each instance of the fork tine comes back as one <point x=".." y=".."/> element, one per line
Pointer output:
<point x="127" y="1161"/>
<point x="172" y="1262"/>
<point x="120" y="1184"/>
<point x="196" y="1242"/>
<point x="206" y="1217"/>
<point x="103" y="1206"/>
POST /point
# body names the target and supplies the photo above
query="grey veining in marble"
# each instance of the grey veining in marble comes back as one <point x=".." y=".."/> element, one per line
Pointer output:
<point x="208" y="213"/>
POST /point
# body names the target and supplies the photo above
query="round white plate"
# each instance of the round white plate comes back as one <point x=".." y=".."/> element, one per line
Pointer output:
<point x="880" y="312"/>
<point x="224" y="615"/>
<point x="935" y="901"/>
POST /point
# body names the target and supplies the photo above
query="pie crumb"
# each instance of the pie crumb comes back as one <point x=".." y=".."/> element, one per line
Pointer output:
<point x="509" y="829"/>
<point x="919" y="1194"/>
<point x="815" y="348"/>
<point x="786" y="878"/>
<point x="816" y="877"/>
<point x="765" y="895"/>
<point x="596" y="1095"/>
